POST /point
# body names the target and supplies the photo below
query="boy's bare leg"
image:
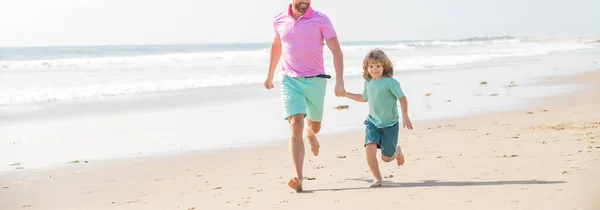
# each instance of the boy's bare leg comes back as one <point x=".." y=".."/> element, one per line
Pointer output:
<point x="373" y="165"/>
<point x="296" y="150"/>
<point x="400" y="156"/>
<point x="389" y="159"/>
<point x="313" y="129"/>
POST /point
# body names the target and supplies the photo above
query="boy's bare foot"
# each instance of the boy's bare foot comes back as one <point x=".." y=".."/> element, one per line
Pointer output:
<point x="314" y="143"/>
<point x="400" y="156"/>
<point x="295" y="184"/>
<point x="376" y="183"/>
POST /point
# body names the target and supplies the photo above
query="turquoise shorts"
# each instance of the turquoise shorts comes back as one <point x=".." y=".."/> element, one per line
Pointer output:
<point x="303" y="96"/>
<point x="386" y="138"/>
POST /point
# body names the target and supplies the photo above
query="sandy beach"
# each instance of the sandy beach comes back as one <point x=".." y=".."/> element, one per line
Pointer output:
<point x="547" y="157"/>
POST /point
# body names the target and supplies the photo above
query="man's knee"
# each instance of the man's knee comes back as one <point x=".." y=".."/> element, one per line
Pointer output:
<point x="314" y="127"/>
<point x="296" y="124"/>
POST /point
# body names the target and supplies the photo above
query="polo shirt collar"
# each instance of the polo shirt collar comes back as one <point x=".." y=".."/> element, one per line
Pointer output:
<point x="307" y="14"/>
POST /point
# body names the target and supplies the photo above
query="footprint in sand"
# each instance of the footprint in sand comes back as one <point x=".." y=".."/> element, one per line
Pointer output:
<point x="511" y="156"/>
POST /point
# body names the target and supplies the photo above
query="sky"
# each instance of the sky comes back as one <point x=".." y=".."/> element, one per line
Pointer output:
<point x="117" y="22"/>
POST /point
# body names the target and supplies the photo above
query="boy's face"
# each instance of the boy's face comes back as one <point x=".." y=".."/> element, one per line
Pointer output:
<point x="375" y="70"/>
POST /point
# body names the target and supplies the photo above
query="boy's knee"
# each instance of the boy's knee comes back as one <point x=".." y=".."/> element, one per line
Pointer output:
<point x="386" y="159"/>
<point x="371" y="146"/>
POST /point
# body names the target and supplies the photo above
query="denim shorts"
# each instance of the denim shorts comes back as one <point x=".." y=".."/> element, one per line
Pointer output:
<point x="386" y="138"/>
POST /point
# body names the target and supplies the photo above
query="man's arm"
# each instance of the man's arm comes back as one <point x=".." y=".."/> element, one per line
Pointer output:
<point x="275" y="56"/>
<point x="273" y="60"/>
<point x="338" y="58"/>
<point x="338" y="64"/>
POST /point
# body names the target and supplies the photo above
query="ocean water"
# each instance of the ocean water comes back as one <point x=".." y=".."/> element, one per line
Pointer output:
<point x="33" y="75"/>
<point x="61" y="104"/>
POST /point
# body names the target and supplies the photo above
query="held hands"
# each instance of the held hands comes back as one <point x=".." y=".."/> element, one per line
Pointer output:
<point x="339" y="89"/>
<point x="406" y="123"/>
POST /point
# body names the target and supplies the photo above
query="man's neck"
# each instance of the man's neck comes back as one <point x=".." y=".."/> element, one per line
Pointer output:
<point x="296" y="14"/>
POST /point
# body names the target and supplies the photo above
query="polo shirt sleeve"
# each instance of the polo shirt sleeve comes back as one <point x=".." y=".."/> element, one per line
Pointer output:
<point x="275" y="27"/>
<point x="395" y="88"/>
<point x="364" y="93"/>
<point x="326" y="28"/>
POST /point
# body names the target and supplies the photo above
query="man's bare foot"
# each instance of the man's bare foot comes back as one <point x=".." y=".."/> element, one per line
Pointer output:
<point x="295" y="184"/>
<point x="376" y="183"/>
<point x="314" y="143"/>
<point x="400" y="156"/>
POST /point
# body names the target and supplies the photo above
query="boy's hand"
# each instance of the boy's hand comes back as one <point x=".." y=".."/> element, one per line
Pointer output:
<point x="406" y="123"/>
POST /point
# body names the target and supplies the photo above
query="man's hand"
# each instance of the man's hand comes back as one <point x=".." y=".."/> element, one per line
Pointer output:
<point x="269" y="83"/>
<point x="338" y="64"/>
<point x="406" y="123"/>
<point x="339" y="89"/>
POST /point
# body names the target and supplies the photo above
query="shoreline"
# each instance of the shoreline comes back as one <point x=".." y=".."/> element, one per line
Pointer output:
<point x="157" y="103"/>
<point x="518" y="159"/>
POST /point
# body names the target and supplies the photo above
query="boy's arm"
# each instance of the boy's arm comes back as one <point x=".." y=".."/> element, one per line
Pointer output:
<point x="404" y="106"/>
<point x="405" y="119"/>
<point x="354" y="96"/>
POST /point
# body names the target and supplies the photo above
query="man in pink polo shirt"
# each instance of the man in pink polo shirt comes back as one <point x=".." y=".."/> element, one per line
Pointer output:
<point x="300" y="33"/>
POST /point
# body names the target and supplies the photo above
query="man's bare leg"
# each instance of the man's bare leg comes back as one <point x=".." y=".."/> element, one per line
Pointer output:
<point x="373" y="165"/>
<point x="296" y="150"/>
<point x="312" y="130"/>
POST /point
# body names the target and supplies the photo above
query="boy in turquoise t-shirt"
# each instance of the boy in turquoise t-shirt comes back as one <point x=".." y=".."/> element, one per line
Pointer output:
<point x="381" y="92"/>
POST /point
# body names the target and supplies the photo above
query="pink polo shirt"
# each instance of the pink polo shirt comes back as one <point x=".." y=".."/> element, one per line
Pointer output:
<point x="302" y="41"/>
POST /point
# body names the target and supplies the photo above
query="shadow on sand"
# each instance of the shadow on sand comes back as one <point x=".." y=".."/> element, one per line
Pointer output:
<point x="437" y="183"/>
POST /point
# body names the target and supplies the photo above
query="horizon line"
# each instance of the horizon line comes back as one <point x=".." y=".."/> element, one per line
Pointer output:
<point x="254" y="42"/>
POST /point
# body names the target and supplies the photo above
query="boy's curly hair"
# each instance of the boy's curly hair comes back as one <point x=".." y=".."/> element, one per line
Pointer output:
<point x="377" y="56"/>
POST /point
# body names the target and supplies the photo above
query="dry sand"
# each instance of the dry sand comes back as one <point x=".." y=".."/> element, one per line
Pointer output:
<point x="542" y="158"/>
